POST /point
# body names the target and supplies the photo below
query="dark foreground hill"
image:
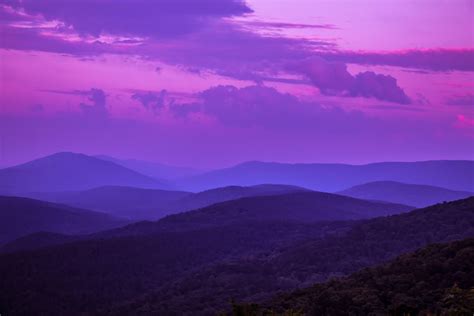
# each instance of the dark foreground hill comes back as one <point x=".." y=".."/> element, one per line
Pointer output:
<point x="302" y="264"/>
<point x="452" y="174"/>
<point x="404" y="193"/>
<point x="70" y="171"/>
<point x="88" y="276"/>
<point x="152" y="204"/>
<point x="23" y="216"/>
<point x="436" y="280"/>
<point x="197" y="272"/>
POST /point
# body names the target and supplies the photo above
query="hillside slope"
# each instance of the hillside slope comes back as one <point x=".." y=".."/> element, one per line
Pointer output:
<point x="436" y="280"/>
<point x="152" y="169"/>
<point x="198" y="271"/>
<point x="128" y="202"/>
<point x="22" y="216"/>
<point x="152" y="204"/>
<point x="295" y="207"/>
<point x="69" y="171"/>
<point x="302" y="264"/>
<point x="404" y="193"/>
<point x="303" y="206"/>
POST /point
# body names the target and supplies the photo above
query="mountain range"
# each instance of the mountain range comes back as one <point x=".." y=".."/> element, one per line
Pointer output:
<point x="23" y="216"/>
<point x="151" y="204"/>
<point x="96" y="235"/>
<point x="404" y="193"/>
<point x="70" y="171"/>
<point x="153" y="169"/>
<point x="299" y="207"/>
<point x="451" y="174"/>
<point x="201" y="270"/>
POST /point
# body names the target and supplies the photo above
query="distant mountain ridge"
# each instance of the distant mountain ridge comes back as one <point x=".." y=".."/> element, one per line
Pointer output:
<point x="451" y="174"/>
<point x="303" y="207"/>
<point x="291" y="208"/>
<point x="129" y="202"/>
<point x="152" y="204"/>
<point x="23" y="216"/>
<point x="153" y="169"/>
<point x="403" y="193"/>
<point x="70" y="171"/>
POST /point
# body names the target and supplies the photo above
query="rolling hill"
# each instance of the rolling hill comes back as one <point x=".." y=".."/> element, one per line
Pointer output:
<point x="217" y="195"/>
<point x="199" y="271"/>
<point x="300" y="206"/>
<point x="435" y="280"/>
<point x="152" y="204"/>
<point x="69" y="171"/>
<point x="129" y="202"/>
<point x="403" y="193"/>
<point x="258" y="278"/>
<point x="22" y="216"/>
<point x="452" y="174"/>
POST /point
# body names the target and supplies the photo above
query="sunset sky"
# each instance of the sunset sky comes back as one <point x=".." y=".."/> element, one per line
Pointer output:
<point x="211" y="83"/>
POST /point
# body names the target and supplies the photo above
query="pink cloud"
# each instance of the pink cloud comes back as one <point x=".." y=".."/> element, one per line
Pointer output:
<point x="464" y="122"/>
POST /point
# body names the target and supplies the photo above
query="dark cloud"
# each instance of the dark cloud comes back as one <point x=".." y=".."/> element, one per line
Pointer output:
<point x="332" y="78"/>
<point x="283" y="25"/>
<point x="461" y="100"/>
<point x="153" y="101"/>
<point x="193" y="34"/>
<point x="428" y="59"/>
<point x="31" y="39"/>
<point x="397" y="107"/>
<point x="261" y="106"/>
<point x="232" y="52"/>
<point x="36" y="108"/>
<point x="228" y="50"/>
<point x="212" y="44"/>
<point x="97" y="108"/>
<point x="382" y="87"/>
<point x="183" y="110"/>
<point x="156" y="19"/>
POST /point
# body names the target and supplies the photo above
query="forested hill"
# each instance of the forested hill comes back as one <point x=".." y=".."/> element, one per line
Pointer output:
<point x="436" y="280"/>
<point x="197" y="272"/>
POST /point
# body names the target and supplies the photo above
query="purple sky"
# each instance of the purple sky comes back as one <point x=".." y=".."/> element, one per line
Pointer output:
<point x="210" y="83"/>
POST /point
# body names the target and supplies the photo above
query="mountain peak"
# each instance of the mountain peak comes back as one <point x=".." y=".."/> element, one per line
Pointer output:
<point x="65" y="171"/>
